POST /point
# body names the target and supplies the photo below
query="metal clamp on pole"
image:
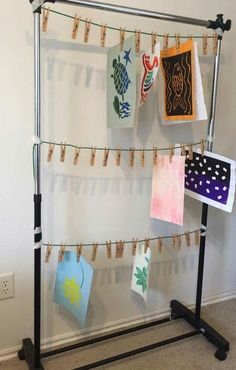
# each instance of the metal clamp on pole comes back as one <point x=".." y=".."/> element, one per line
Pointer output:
<point x="37" y="4"/>
<point x="219" y="24"/>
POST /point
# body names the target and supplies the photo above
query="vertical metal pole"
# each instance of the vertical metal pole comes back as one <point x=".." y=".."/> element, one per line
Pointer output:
<point x="37" y="195"/>
<point x="211" y="128"/>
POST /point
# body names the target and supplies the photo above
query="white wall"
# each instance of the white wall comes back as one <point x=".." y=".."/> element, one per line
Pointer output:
<point x="95" y="204"/>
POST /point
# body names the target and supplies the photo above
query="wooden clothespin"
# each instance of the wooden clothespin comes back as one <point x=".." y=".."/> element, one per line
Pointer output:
<point x="108" y="245"/>
<point x="45" y="19"/>
<point x="92" y="156"/>
<point x="105" y="158"/>
<point x="187" y="238"/>
<point x="215" y="43"/>
<point x="117" y="249"/>
<point x="183" y="150"/>
<point x="121" y="248"/>
<point x="50" y="152"/>
<point x="131" y="157"/>
<point x="155" y="156"/>
<point x="202" y="145"/>
<point x="122" y="38"/>
<point x="177" y="41"/>
<point x="190" y="37"/>
<point x="173" y="241"/>
<point x="76" y="156"/>
<point x="48" y="253"/>
<point x="153" y="41"/>
<point x="61" y="253"/>
<point x="197" y="237"/>
<point x="137" y="40"/>
<point x="63" y="152"/>
<point x="75" y="27"/>
<point x="103" y="35"/>
<point x="134" y="246"/>
<point x="171" y="152"/>
<point x="165" y="42"/>
<point x="190" y="152"/>
<point x="160" y="245"/>
<point x="87" y="27"/>
<point x="205" y="43"/>
<point x="142" y="157"/>
<point x="146" y="245"/>
<point x="178" y="241"/>
<point x="94" y="252"/>
<point x="118" y="156"/>
<point x="79" y="248"/>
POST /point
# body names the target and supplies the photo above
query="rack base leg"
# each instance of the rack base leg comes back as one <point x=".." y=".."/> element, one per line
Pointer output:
<point x="27" y="353"/>
<point x="222" y="345"/>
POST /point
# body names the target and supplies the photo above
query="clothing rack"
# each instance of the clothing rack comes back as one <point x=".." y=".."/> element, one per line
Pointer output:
<point x="31" y="350"/>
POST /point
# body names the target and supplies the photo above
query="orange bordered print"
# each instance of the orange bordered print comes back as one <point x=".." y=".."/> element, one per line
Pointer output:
<point x="178" y="69"/>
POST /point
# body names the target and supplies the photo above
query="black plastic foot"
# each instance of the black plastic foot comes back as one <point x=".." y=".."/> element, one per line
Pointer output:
<point x="220" y="355"/>
<point x="21" y="354"/>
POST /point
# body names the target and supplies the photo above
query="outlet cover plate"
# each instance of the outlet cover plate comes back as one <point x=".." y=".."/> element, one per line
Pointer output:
<point x="7" y="286"/>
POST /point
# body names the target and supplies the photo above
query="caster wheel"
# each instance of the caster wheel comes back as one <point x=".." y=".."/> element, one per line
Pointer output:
<point x="220" y="355"/>
<point x="21" y="355"/>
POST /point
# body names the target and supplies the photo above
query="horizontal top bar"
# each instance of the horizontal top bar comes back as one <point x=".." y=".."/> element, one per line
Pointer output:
<point x="135" y="11"/>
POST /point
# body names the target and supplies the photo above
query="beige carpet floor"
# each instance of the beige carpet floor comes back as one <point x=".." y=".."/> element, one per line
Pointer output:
<point x="193" y="353"/>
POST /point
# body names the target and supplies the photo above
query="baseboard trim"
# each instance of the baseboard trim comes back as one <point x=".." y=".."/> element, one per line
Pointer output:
<point x="64" y="339"/>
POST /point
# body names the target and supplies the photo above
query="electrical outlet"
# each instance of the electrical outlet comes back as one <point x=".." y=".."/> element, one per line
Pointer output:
<point x="6" y="286"/>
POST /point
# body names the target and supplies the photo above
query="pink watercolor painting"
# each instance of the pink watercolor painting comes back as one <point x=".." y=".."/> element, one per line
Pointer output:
<point x="167" y="203"/>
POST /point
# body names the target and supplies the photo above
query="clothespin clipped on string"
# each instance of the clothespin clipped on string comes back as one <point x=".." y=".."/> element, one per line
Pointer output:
<point x="134" y="246"/>
<point x="122" y="38"/>
<point x="108" y="247"/>
<point x="79" y="248"/>
<point x="142" y="157"/>
<point x="87" y="27"/>
<point x="187" y="239"/>
<point x="92" y="156"/>
<point x="94" y="252"/>
<point x="190" y="37"/>
<point x="48" y="253"/>
<point x="117" y="249"/>
<point x="153" y="41"/>
<point x="202" y="146"/>
<point x="50" y="152"/>
<point x="197" y="237"/>
<point x="183" y="150"/>
<point x="131" y="157"/>
<point x="76" y="156"/>
<point x="118" y="156"/>
<point x="75" y="27"/>
<point x="105" y="158"/>
<point x="177" y="41"/>
<point x="173" y="241"/>
<point x="178" y="241"/>
<point x="121" y="248"/>
<point x="63" y="152"/>
<point x="103" y="35"/>
<point x="215" y="43"/>
<point x="45" y="19"/>
<point x="171" y="152"/>
<point x="146" y="245"/>
<point x="160" y="245"/>
<point x="61" y="253"/>
<point x="205" y="43"/>
<point x="155" y="155"/>
<point x="190" y="152"/>
<point x="137" y="40"/>
<point x="165" y="42"/>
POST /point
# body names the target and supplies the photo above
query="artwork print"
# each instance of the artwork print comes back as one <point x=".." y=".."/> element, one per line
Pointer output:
<point x="177" y="66"/>
<point x="73" y="285"/>
<point x="141" y="272"/>
<point x="211" y="179"/>
<point x="150" y="63"/>
<point x="167" y="201"/>
<point x="121" y="84"/>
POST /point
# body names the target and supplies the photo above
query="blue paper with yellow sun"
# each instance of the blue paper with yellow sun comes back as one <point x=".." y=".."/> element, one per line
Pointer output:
<point x="73" y="285"/>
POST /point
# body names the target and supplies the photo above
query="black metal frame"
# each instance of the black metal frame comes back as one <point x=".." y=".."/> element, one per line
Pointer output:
<point x="32" y="352"/>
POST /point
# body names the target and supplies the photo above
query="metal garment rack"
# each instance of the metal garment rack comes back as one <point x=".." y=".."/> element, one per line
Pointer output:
<point x="31" y="350"/>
